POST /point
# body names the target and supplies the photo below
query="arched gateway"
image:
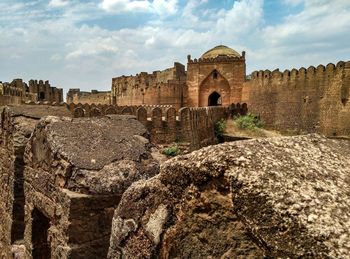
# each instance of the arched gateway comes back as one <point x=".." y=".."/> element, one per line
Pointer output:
<point x="214" y="99"/>
<point x="221" y="70"/>
<point x="214" y="90"/>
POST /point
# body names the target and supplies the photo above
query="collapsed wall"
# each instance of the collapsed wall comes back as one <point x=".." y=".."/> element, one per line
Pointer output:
<point x="18" y="92"/>
<point x="303" y="100"/>
<point x="75" y="173"/>
<point x="17" y="124"/>
<point x="268" y="198"/>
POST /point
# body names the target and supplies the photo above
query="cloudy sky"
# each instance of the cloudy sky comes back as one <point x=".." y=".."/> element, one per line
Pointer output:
<point x="84" y="43"/>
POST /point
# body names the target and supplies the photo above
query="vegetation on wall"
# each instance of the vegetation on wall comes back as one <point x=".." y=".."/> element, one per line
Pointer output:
<point x="172" y="150"/>
<point x="219" y="128"/>
<point x="248" y="122"/>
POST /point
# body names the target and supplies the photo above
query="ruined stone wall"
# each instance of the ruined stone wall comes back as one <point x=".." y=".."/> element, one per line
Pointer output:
<point x="304" y="100"/>
<point x="18" y="92"/>
<point x="7" y="100"/>
<point x="12" y="93"/>
<point x="224" y="75"/>
<point x="17" y="124"/>
<point x="166" y="87"/>
<point x="6" y="192"/>
<point x="44" y="92"/>
<point x="193" y="125"/>
<point x="72" y="184"/>
<point x="96" y="97"/>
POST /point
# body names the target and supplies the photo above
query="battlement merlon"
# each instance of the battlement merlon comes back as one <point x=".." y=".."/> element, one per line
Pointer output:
<point x="302" y="72"/>
<point x="218" y="59"/>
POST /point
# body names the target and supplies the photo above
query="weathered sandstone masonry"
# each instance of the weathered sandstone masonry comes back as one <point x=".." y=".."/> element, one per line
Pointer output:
<point x="216" y="78"/>
<point x="17" y="124"/>
<point x="74" y="95"/>
<point x="75" y="172"/>
<point x="167" y="87"/>
<point x="165" y="124"/>
<point x="299" y="101"/>
<point x="306" y="100"/>
<point x="285" y="197"/>
<point x="18" y="92"/>
<point x="220" y="75"/>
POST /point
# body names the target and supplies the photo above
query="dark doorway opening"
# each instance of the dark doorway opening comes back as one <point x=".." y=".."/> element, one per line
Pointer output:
<point x="41" y="96"/>
<point x="214" y="99"/>
<point x="17" y="230"/>
<point x="40" y="227"/>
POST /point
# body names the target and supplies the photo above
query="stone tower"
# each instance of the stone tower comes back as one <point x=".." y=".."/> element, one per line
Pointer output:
<point x="216" y="78"/>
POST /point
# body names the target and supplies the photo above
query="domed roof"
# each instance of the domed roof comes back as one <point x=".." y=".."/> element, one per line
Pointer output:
<point x="220" y="50"/>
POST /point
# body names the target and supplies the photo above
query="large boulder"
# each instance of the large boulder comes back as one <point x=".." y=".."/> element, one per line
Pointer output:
<point x="17" y="125"/>
<point x="75" y="173"/>
<point x="285" y="197"/>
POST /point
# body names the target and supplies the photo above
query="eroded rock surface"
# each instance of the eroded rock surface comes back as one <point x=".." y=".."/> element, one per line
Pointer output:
<point x="17" y="124"/>
<point x="75" y="173"/>
<point x="279" y="197"/>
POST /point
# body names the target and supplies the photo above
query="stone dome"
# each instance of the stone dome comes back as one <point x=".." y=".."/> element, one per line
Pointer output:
<point x="221" y="50"/>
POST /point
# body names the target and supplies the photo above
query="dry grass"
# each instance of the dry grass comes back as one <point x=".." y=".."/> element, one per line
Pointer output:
<point x="233" y="130"/>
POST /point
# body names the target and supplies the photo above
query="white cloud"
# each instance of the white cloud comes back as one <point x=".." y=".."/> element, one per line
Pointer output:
<point x="242" y="18"/>
<point x="93" y="47"/>
<point x="168" y="7"/>
<point x="318" y="22"/>
<point x="161" y="7"/>
<point x="58" y="3"/>
<point x="316" y="35"/>
<point x="125" y="5"/>
<point x="71" y="50"/>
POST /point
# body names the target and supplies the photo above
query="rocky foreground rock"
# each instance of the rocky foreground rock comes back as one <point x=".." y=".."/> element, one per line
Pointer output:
<point x="75" y="173"/>
<point x="285" y="197"/>
<point x="17" y="125"/>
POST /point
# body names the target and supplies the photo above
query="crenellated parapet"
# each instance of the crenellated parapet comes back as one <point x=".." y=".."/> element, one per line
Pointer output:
<point x="218" y="59"/>
<point x="301" y="73"/>
<point x="313" y="99"/>
<point x="166" y="124"/>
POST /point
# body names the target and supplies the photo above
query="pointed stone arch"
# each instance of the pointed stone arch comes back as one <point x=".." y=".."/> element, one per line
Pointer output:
<point x="214" y="82"/>
<point x="214" y="99"/>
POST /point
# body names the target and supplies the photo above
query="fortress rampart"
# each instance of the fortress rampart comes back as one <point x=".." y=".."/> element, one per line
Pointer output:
<point x="315" y="99"/>
<point x="165" y="123"/>
<point x="167" y="87"/>
<point x="74" y="95"/>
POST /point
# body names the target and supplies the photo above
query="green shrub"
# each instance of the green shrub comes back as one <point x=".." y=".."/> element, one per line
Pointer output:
<point x="172" y="150"/>
<point x="249" y="122"/>
<point x="220" y="128"/>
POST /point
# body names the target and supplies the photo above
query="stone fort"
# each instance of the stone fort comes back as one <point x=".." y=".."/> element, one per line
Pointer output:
<point x="88" y="179"/>
<point x="214" y="79"/>
<point x="305" y="100"/>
